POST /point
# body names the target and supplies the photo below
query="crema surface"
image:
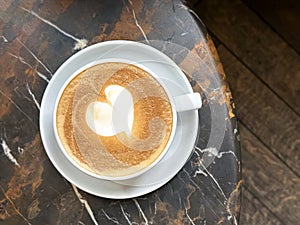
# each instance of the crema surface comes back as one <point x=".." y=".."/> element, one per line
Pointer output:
<point x="114" y="119"/>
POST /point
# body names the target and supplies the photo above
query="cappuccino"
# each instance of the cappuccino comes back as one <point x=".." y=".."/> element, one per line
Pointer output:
<point x="114" y="119"/>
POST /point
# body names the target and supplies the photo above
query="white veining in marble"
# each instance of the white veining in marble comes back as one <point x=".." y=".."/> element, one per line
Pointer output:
<point x="42" y="76"/>
<point x="236" y="133"/>
<point x="192" y="12"/>
<point x="220" y="154"/>
<point x="20" y="150"/>
<point x="214" y="180"/>
<point x="137" y="23"/>
<point x="205" y="172"/>
<point x="155" y="208"/>
<point x="37" y="104"/>
<point x="14" y="206"/>
<point x="7" y="152"/>
<point x="125" y="215"/>
<point x="22" y="60"/>
<point x="199" y="171"/>
<point x="188" y="216"/>
<point x="235" y="220"/>
<point x="193" y="182"/>
<point x="141" y="212"/>
<point x="179" y="199"/>
<point x="85" y="203"/>
<point x="35" y="57"/>
<point x="184" y="33"/>
<point x="230" y="217"/>
<point x="80" y="43"/>
<point x="18" y="107"/>
<point x="214" y="152"/>
<point x="112" y="219"/>
<point x="4" y="38"/>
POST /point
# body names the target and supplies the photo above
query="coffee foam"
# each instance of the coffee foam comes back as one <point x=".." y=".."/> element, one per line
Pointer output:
<point x="119" y="153"/>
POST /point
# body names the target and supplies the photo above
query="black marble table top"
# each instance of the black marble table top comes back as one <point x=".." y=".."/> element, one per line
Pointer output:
<point x="36" y="37"/>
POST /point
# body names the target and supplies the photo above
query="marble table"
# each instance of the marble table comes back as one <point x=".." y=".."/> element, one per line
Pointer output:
<point x="36" y="37"/>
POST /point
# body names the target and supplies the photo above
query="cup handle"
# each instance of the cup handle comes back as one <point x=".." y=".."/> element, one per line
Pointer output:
<point x="188" y="102"/>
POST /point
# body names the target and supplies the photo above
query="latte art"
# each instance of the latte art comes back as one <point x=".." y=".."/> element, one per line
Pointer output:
<point x="110" y="119"/>
<point x="114" y="119"/>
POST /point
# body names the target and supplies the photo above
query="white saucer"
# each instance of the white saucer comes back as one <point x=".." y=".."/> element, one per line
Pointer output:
<point x="181" y="147"/>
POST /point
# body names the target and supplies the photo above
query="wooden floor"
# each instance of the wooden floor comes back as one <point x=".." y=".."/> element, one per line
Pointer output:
<point x="259" y="45"/>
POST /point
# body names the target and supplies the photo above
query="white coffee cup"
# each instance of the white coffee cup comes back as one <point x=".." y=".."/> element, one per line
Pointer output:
<point x="186" y="102"/>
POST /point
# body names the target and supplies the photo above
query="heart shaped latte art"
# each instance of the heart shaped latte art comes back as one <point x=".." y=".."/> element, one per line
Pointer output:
<point x="109" y="119"/>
